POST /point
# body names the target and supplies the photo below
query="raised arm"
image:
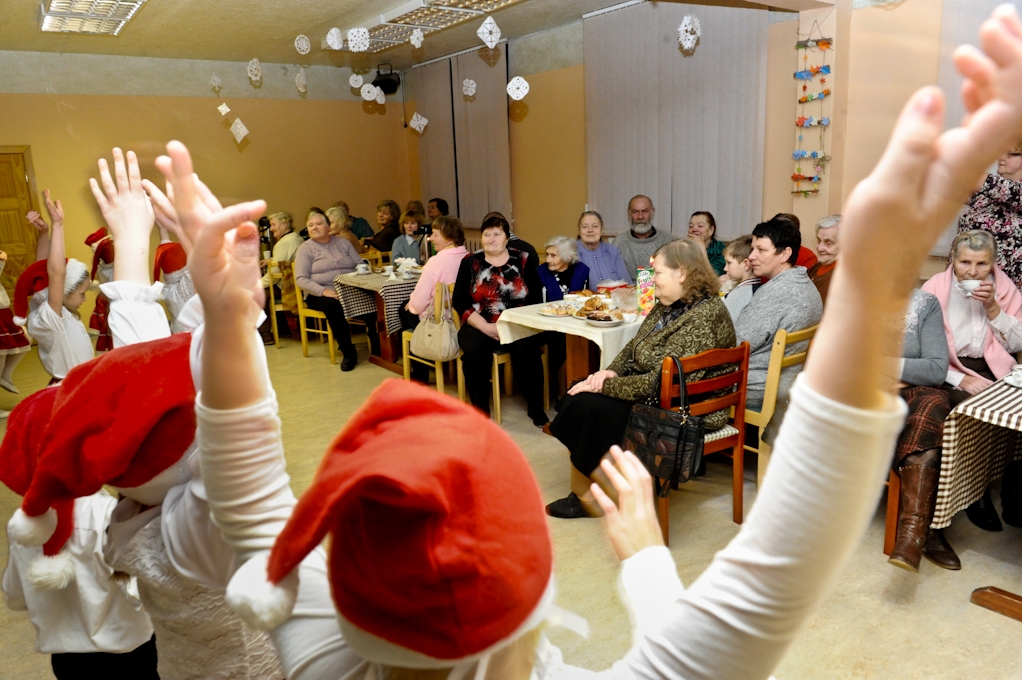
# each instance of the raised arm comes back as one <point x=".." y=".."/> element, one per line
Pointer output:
<point x="128" y="215"/>
<point x="42" y="244"/>
<point x="56" y="265"/>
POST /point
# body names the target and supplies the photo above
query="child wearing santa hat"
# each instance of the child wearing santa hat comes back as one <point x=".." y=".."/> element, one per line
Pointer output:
<point x="171" y="262"/>
<point x="13" y="342"/>
<point x="102" y="245"/>
<point x="439" y="555"/>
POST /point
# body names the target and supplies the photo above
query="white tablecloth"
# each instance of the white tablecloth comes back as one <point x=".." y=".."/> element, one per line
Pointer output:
<point x="521" y="322"/>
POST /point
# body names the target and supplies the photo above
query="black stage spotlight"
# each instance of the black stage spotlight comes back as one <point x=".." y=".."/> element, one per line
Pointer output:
<point x="388" y="81"/>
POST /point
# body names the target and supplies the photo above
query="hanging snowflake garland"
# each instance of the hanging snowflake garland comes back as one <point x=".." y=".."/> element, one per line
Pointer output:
<point x="381" y="97"/>
<point x="358" y="39"/>
<point x="239" y="130"/>
<point x="224" y="109"/>
<point x="489" y="33"/>
<point x="416" y="38"/>
<point x="518" y="88"/>
<point x="300" y="81"/>
<point x="689" y="32"/>
<point x="368" y="92"/>
<point x="418" y="123"/>
<point x="215" y="83"/>
<point x="468" y="86"/>
<point x="355" y="81"/>
<point x="335" y="39"/>
<point x="255" y="71"/>
<point x="302" y="44"/>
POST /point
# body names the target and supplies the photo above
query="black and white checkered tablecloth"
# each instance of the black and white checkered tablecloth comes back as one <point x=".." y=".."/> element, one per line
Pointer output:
<point x="358" y="295"/>
<point x="981" y="436"/>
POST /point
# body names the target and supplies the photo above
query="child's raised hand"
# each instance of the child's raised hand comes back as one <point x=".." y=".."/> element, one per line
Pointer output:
<point x="54" y="208"/>
<point x="632" y="523"/>
<point x="166" y="214"/>
<point x="224" y="261"/>
<point x="37" y="221"/>
<point x="125" y="206"/>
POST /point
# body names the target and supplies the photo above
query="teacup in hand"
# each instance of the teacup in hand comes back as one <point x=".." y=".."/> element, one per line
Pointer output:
<point x="969" y="286"/>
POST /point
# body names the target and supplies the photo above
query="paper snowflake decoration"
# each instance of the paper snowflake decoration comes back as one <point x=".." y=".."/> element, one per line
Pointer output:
<point x="302" y="44"/>
<point x="689" y="32"/>
<point x="381" y="97"/>
<point x="335" y="39"/>
<point x="368" y="92"/>
<point x="224" y="109"/>
<point x="468" y="87"/>
<point x="489" y="33"/>
<point x="517" y="88"/>
<point x="355" y="81"/>
<point x="418" y="122"/>
<point x="358" y="39"/>
<point x="215" y="83"/>
<point x="239" y="130"/>
<point x="255" y="71"/>
<point x="417" y="38"/>
<point x="300" y="80"/>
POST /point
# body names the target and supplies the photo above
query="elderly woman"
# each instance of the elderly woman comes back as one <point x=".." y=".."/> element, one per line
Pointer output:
<point x="318" y="261"/>
<point x="826" y="249"/>
<point x="387" y="215"/>
<point x="562" y="272"/>
<point x="702" y="228"/>
<point x="603" y="259"/>
<point x="689" y="318"/>
<point x="408" y="243"/>
<point x="983" y="326"/>
<point x="997" y="208"/>
<point x="359" y="225"/>
<point x="285" y="245"/>
<point x="490" y="281"/>
<point x="340" y="226"/>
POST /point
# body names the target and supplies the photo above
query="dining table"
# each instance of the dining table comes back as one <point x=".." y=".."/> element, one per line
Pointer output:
<point x="588" y="348"/>
<point x="382" y="296"/>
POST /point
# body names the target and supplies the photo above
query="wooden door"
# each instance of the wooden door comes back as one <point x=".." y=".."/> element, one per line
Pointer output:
<point x="17" y="236"/>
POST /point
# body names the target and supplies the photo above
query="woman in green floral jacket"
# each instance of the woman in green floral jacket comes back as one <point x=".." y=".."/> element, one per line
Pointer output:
<point x="688" y="319"/>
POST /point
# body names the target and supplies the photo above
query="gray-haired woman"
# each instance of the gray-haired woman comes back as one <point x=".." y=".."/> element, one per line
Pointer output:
<point x="562" y="272"/>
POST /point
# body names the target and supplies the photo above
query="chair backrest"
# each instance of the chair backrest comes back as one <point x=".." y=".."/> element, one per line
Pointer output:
<point x="299" y="294"/>
<point x="454" y="312"/>
<point x="735" y="380"/>
<point x="374" y="256"/>
<point x="779" y="360"/>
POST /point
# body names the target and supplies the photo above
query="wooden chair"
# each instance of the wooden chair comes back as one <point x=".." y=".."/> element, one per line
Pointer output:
<point x="777" y="361"/>
<point x="304" y="313"/>
<point x="730" y="439"/>
<point x="438" y="366"/>
<point x="374" y="257"/>
<point x="386" y="256"/>
<point x="274" y="305"/>
<point x="502" y="357"/>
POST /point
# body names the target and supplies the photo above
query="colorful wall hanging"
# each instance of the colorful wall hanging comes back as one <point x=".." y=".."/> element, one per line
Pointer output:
<point x="812" y="77"/>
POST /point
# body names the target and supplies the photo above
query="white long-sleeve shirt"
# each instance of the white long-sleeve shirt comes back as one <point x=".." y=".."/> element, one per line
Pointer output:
<point x="736" y="621"/>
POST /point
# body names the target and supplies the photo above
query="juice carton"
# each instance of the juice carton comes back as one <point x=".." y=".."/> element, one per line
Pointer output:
<point x="644" y="290"/>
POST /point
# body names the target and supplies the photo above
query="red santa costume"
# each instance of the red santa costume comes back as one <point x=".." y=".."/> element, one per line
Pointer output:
<point x="171" y="262"/>
<point x="102" y="246"/>
<point x="13" y="341"/>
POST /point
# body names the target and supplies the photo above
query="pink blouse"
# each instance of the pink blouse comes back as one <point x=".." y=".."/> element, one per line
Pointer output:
<point x="441" y="267"/>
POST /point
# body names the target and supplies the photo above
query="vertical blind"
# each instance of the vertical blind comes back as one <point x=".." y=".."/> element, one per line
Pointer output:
<point x="685" y="129"/>
<point x="430" y="88"/>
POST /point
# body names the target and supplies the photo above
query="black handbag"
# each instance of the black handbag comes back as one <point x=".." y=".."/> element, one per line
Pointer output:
<point x="669" y="443"/>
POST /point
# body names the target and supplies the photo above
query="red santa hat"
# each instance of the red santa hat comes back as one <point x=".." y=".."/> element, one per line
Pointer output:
<point x="145" y="394"/>
<point x="440" y="553"/>
<point x="170" y="257"/>
<point x="96" y="236"/>
<point x="35" y="279"/>
<point x="103" y="249"/>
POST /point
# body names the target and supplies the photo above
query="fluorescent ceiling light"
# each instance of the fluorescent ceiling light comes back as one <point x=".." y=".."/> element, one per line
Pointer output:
<point x="395" y="27"/>
<point x="101" y="17"/>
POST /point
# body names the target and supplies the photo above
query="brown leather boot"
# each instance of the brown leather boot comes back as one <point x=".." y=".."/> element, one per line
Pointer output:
<point x="939" y="551"/>
<point x="918" y="495"/>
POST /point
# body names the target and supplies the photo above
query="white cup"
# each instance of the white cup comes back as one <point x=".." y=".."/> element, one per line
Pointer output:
<point x="969" y="286"/>
<point x="388" y="269"/>
<point x="1016" y="371"/>
<point x="266" y="254"/>
<point x="362" y="268"/>
<point x="629" y="317"/>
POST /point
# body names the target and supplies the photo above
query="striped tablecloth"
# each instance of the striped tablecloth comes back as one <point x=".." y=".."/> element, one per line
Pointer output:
<point x="981" y="436"/>
<point x="358" y="296"/>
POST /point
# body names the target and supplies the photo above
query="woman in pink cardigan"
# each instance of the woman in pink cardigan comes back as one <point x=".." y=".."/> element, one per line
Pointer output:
<point x="448" y="239"/>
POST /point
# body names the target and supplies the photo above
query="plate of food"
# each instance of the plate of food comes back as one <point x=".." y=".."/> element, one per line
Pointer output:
<point x="604" y="318"/>
<point x="595" y="303"/>
<point x="557" y="309"/>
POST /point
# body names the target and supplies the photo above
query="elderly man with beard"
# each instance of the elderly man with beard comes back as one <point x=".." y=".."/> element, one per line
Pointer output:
<point x="638" y="245"/>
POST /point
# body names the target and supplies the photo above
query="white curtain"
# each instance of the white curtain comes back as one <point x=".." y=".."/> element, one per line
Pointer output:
<point x="684" y="129"/>
<point x="430" y="88"/>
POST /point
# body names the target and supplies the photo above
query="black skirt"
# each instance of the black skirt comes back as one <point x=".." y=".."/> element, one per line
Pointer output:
<point x="589" y="424"/>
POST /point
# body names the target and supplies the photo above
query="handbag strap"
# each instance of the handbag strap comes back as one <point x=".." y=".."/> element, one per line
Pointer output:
<point x="654" y="400"/>
<point x="446" y="306"/>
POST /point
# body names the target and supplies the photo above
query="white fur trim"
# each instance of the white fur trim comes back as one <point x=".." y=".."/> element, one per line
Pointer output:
<point x="51" y="573"/>
<point x="32" y="530"/>
<point x="20" y="320"/>
<point x="259" y="603"/>
<point x="74" y="274"/>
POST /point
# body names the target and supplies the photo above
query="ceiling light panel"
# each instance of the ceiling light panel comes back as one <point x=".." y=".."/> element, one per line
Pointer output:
<point x="102" y="17"/>
<point x="396" y="26"/>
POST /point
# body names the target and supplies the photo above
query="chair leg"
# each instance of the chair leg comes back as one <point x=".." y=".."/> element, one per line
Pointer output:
<point x="737" y="483"/>
<point x="273" y="318"/>
<point x="663" y="507"/>
<point x="332" y="344"/>
<point x="406" y="360"/>
<point x="439" y="377"/>
<point x="891" y="523"/>
<point x="546" y="379"/>
<point x="495" y="382"/>
<point x="509" y="381"/>
<point x="461" y="379"/>
<point x="303" y="327"/>
<point x="762" y="462"/>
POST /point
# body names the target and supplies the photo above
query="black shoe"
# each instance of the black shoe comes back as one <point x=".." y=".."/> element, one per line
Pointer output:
<point x="1011" y="495"/>
<point x="567" y="508"/>
<point x="349" y="362"/>
<point x="539" y="419"/>
<point x="983" y="514"/>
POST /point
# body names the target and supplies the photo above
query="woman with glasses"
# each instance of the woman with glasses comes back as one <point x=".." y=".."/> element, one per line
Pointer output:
<point x="603" y="259"/>
<point x="997" y="208"/>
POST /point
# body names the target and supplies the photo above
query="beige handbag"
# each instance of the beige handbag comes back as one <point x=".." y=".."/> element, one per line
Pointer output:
<point x="436" y="337"/>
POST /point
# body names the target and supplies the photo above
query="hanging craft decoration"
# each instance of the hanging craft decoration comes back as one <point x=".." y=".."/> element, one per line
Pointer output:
<point x="517" y="88"/>
<point x="255" y="71"/>
<point x="215" y="83"/>
<point x="808" y="75"/>
<point x="489" y="33"/>
<point x="814" y="71"/>
<point x="416" y="38"/>
<point x="224" y="109"/>
<point x="300" y="80"/>
<point x="468" y="87"/>
<point x="358" y="39"/>
<point x="802" y="121"/>
<point x="689" y="32"/>
<point x="381" y="96"/>
<point x="335" y="39"/>
<point x="368" y="92"/>
<point x="418" y="123"/>
<point x="239" y="130"/>
<point x="819" y="43"/>
<point x="355" y="81"/>
<point x="302" y="44"/>
<point x="806" y="98"/>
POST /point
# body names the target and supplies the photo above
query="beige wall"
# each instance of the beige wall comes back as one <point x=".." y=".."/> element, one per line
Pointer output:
<point x="299" y="153"/>
<point x="781" y="105"/>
